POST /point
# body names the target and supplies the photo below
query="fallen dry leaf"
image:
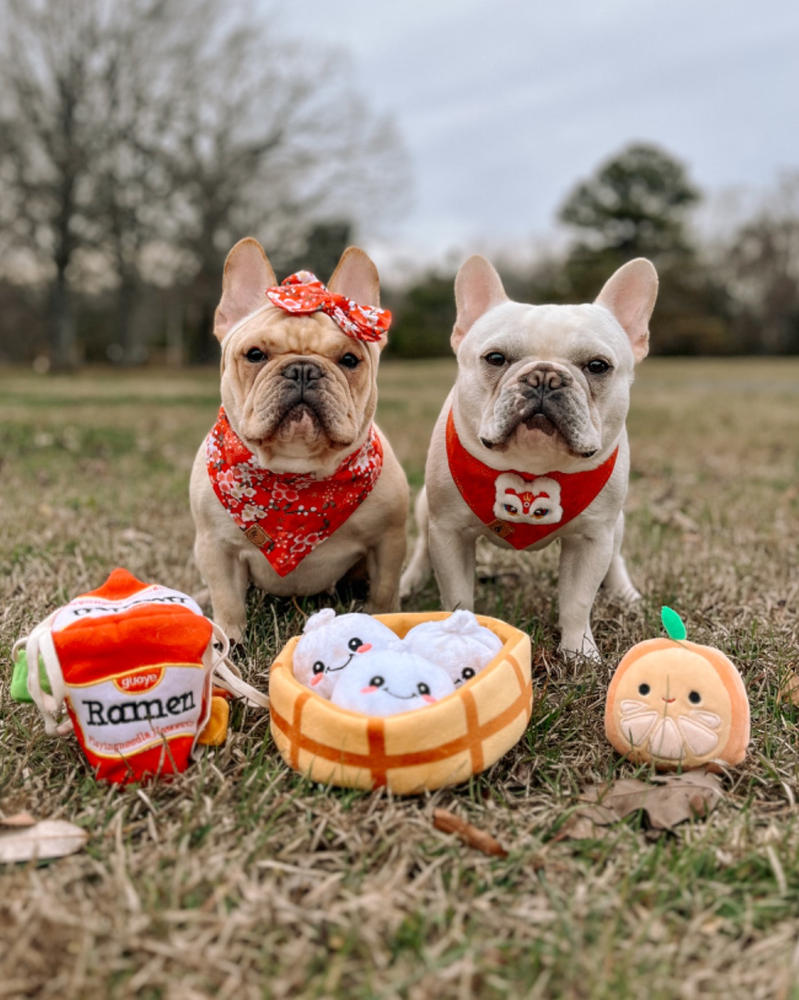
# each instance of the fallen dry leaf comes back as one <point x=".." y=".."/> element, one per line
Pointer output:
<point x="667" y="800"/>
<point x="448" y="822"/>
<point x="789" y="691"/>
<point x="134" y="535"/>
<point x="674" y="517"/>
<point x="18" y="819"/>
<point x="50" y="838"/>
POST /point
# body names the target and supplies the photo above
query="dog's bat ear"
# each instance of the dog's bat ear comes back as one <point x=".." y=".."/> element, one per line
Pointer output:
<point x="477" y="288"/>
<point x="246" y="277"/>
<point x="356" y="277"/>
<point x="630" y="294"/>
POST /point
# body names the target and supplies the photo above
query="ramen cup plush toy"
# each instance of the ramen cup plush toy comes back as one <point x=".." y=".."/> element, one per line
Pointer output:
<point x="677" y="704"/>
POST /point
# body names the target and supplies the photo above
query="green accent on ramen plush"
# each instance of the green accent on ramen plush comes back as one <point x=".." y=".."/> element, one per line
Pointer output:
<point x="19" y="678"/>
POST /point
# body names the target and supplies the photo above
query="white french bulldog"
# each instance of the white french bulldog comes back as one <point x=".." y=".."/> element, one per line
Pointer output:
<point x="295" y="484"/>
<point x="531" y="443"/>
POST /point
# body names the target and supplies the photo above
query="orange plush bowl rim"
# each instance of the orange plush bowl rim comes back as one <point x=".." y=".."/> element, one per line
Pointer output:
<point x="733" y="751"/>
<point x="442" y="744"/>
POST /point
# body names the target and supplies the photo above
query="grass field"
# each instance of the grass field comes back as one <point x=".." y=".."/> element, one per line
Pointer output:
<point x="241" y="880"/>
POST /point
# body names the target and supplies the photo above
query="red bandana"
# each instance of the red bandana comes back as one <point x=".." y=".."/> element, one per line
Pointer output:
<point x="287" y="516"/>
<point x="302" y="293"/>
<point x="517" y="506"/>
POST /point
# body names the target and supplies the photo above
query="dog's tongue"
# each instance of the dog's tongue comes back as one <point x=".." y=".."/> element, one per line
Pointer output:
<point x="539" y="422"/>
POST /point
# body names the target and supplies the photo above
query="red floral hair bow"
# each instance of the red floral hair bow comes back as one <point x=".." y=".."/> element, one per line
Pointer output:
<point x="302" y="293"/>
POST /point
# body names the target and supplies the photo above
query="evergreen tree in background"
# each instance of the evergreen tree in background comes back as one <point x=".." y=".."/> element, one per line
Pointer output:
<point x="638" y="204"/>
<point x="635" y="205"/>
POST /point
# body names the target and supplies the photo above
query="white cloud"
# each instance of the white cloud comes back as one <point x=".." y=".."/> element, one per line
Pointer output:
<point x="505" y="105"/>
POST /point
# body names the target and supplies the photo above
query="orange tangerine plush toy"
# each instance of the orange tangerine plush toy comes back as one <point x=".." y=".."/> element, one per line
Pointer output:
<point x="677" y="704"/>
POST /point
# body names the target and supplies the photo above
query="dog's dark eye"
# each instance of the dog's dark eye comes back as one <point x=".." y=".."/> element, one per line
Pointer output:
<point x="694" y="697"/>
<point x="423" y="688"/>
<point x="644" y="688"/>
<point x="355" y="643"/>
<point x="255" y="354"/>
<point x="467" y="673"/>
<point x="318" y="667"/>
<point x="597" y="366"/>
<point x="495" y="358"/>
<point x="349" y="361"/>
<point x="377" y="681"/>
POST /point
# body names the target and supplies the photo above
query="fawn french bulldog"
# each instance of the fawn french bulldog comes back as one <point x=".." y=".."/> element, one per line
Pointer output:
<point x="295" y="484"/>
<point x="531" y="443"/>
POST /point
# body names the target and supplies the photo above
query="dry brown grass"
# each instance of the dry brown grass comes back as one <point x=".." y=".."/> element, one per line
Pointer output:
<point x="240" y="879"/>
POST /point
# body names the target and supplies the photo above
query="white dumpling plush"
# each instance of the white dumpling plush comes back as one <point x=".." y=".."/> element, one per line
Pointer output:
<point x="385" y="682"/>
<point x="459" y="644"/>
<point x="329" y="643"/>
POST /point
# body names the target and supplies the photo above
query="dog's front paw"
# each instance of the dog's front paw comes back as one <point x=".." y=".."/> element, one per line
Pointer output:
<point x="409" y="585"/>
<point x="624" y="596"/>
<point x="618" y="586"/>
<point x="572" y="646"/>
<point x="233" y="630"/>
<point x="413" y="579"/>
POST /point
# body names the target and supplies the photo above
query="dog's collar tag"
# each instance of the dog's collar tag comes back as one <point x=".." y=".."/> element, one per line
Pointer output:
<point x="286" y="517"/>
<point x="303" y="293"/>
<point x="517" y="506"/>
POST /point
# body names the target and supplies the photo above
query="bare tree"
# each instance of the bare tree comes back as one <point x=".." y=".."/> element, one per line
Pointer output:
<point x="46" y="137"/>
<point x="143" y="138"/>
<point x="761" y="263"/>
<point x="130" y="185"/>
<point x="273" y="143"/>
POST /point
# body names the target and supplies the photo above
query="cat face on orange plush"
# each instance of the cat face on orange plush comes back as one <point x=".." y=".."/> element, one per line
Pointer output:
<point x="678" y="705"/>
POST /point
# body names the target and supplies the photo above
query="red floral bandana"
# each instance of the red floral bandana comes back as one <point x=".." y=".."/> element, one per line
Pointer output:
<point x="287" y="516"/>
<point x="303" y="293"/>
<point x="517" y="506"/>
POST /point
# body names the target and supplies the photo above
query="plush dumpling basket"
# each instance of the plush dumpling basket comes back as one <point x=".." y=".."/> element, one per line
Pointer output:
<point x="442" y="744"/>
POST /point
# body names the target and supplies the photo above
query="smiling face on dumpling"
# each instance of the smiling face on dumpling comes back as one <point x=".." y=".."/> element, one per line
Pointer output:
<point x="672" y="705"/>
<point x="386" y="682"/>
<point x="331" y="642"/>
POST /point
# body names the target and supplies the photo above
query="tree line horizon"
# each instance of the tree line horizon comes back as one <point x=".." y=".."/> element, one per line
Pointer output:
<point x="138" y="144"/>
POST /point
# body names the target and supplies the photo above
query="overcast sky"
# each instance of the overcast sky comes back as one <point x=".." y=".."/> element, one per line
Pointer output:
<point x="504" y="105"/>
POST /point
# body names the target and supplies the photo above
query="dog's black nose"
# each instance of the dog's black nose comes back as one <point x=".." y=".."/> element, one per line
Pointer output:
<point x="304" y="373"/>
<point x="546" y="379"/>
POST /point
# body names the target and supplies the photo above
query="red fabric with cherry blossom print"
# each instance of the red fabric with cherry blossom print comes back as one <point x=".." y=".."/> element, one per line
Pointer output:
<point x="287" y="516"/>
<point x="303" y="293"/>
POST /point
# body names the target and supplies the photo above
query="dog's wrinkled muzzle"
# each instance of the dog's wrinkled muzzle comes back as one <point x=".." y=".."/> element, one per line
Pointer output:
<point x="542" y="398"/>
<point x="299" y="399"/>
